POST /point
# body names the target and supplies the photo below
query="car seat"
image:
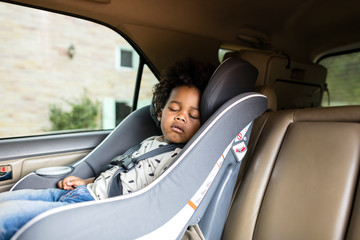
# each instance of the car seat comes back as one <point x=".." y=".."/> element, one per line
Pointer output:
<point x="197" y="187"/>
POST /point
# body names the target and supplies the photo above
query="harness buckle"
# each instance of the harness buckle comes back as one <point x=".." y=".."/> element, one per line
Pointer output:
<point x="123" y="161"/>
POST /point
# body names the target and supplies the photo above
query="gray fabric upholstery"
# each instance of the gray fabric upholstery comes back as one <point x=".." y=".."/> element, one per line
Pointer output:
<point x="232" y="77"/>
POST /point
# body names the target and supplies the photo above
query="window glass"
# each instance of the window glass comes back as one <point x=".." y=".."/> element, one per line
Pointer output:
<point x="343" y="79"/>
<point x="60" y="73"/>
<point x="146" y="88"/>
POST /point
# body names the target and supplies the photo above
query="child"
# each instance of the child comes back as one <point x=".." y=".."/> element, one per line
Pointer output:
<point x="176" y="105"/>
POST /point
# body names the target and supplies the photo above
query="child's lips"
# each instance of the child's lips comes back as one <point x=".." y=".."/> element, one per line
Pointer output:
<point x="177" y="128"/>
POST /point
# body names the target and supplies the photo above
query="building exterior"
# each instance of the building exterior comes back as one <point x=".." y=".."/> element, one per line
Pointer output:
<point x="51" y="59"/>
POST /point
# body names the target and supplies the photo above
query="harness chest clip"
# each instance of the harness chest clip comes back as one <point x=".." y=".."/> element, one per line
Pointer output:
<point x="123" y="161"/>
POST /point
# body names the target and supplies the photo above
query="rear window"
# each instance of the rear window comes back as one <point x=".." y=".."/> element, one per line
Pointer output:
<point x="343" y="79"/>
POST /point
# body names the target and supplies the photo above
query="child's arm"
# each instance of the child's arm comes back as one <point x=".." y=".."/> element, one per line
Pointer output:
<point x="72" y="182"/>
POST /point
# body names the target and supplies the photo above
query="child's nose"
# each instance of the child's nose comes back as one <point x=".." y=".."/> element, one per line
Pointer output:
<point x="181" y="117"/>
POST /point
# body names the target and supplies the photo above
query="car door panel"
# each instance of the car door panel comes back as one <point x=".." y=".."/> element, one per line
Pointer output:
<point x="21" y="156"/>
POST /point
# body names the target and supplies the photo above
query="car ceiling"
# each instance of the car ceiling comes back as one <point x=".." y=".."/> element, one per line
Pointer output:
<point x="167" y="31"/>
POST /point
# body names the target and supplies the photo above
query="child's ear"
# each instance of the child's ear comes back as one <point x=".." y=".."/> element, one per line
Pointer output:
<point x="159" y="116"/>
<point x="159" y="119"/>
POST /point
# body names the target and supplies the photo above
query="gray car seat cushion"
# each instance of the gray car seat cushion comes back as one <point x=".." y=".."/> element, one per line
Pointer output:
<point x="232" y="77"/>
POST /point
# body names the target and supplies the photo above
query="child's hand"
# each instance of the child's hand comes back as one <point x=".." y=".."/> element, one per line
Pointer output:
<point x="71" y="182"/>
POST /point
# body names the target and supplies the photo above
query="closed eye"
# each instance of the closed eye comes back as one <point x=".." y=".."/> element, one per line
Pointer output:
<point x="173" y="109"/>
<point x="194" y="116"/>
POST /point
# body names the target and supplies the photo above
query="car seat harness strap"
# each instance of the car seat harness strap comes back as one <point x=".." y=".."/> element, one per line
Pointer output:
<point x="126" y="162"/>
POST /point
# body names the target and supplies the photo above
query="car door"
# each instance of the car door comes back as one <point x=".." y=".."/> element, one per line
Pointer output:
<point x="65" y="83"/>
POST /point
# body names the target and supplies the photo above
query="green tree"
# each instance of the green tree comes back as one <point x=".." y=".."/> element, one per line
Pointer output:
<point x="83" y="115"/>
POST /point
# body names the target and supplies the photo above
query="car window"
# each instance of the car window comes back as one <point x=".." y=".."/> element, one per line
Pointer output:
<point x="60" y="73"/>
<point x="146" y="88"/>
<point x="343" y="79"/>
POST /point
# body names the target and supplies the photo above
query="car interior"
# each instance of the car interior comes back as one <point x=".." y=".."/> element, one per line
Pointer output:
<point x="272" y="95"/>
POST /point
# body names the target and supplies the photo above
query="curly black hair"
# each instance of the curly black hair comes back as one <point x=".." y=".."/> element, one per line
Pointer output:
<point x="186" y="73"/>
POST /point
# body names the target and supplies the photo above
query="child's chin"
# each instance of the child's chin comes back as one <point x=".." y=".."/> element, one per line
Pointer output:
<point x="175" y="140"/>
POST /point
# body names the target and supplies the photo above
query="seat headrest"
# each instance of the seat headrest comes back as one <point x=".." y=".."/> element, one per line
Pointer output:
<point x="232" y="77"/>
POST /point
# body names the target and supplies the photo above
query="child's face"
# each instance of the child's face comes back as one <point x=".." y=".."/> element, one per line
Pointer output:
<point x="180" y="118"/>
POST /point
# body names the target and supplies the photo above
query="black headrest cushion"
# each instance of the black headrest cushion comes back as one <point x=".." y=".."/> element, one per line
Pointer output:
<point x="232" y="77"/>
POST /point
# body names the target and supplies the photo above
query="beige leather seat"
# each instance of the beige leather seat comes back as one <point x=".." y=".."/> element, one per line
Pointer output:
<point x="302" y="177"/>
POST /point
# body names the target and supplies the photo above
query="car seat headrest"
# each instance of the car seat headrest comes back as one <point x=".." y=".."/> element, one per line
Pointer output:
<point x="232" y="77"/>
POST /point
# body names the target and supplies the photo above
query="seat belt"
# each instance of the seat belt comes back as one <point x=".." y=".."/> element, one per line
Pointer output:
<point x="125" y="163"/>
